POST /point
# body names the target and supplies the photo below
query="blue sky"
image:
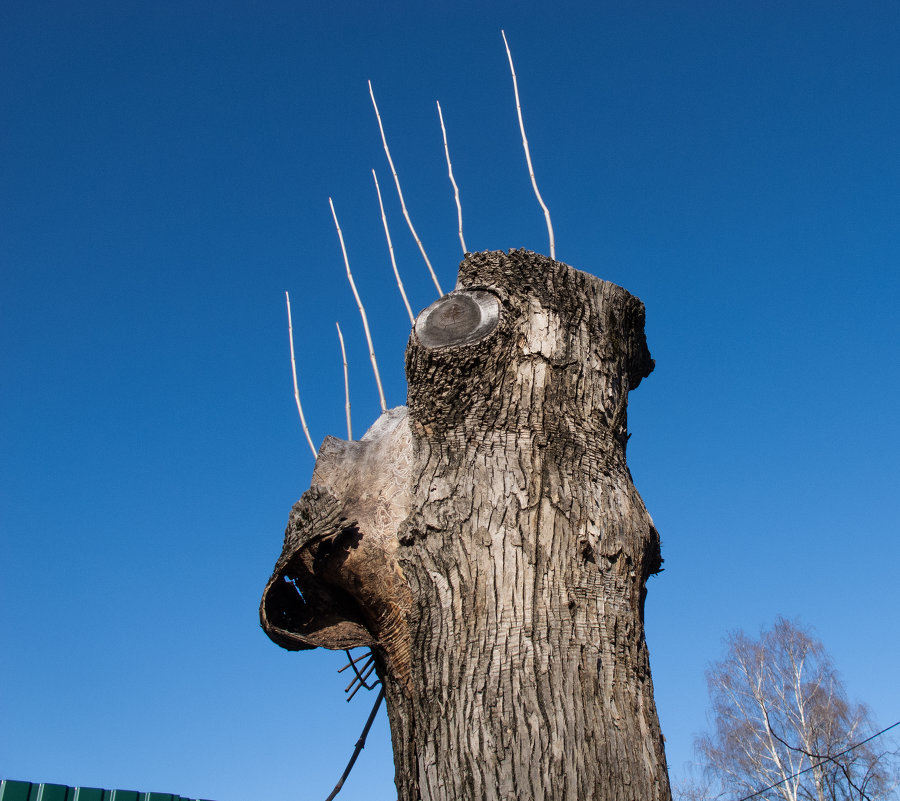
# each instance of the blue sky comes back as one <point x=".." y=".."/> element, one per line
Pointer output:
<point x="165" y="178"/>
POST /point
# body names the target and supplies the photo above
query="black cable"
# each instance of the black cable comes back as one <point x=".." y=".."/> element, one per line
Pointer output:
<point x="360" y="744"/>
<point x="828" y="759"/>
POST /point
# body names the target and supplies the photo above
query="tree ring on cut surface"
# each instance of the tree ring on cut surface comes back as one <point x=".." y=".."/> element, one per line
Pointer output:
<point x="461" y="318"/>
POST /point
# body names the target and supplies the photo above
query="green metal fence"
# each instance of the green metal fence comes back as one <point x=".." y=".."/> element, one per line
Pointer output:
<point x="26" y="791"/>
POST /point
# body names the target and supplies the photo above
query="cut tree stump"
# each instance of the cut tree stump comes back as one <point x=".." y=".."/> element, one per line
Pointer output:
<point x="488" y="544"/>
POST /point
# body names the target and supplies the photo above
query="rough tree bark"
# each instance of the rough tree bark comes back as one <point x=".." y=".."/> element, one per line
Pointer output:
<point x="488" y="543"/>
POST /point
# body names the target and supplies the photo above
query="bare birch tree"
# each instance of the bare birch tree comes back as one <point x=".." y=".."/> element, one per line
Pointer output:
<point x="780" y="717"/>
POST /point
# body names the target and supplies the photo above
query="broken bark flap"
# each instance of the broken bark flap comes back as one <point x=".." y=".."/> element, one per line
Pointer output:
<point x="298" y="611"/>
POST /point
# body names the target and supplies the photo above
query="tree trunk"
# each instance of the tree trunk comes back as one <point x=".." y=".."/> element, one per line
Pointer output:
<point x="490" y="546"/>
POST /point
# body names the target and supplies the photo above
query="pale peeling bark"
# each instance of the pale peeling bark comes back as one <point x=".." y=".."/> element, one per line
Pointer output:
<point x="507" y="609"/>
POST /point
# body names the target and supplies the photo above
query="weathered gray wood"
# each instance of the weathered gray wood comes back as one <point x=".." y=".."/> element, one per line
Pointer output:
<point x="460" y="318"/>
<point x="501" y="580"/>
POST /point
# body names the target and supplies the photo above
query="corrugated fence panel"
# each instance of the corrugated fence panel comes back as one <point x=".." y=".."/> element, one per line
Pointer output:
<point x="51" y="792"/>
<point x="14" y="791"/>
<point x="26" y="791"/>
<point x="88" y="794"/>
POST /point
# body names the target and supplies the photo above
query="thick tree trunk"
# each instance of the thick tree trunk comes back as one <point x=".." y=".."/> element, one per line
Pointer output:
<point x="499" y="572"/>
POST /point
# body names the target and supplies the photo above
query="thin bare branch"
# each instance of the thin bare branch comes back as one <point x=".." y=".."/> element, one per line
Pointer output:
<point x="387" y="234"/>
<point x="362" y="311"/>
<point x="312" y="447"/>
<point x="346" y="383"/>
<point x="452" y="181"/>
<point x="400" y="193"/>
<point x="537" y="194"/>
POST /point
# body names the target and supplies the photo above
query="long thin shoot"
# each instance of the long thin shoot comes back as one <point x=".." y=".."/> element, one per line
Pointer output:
<point x="312" y="447"/>
<point x="452" y="180"/>
<point x="400" y="193"/>
<point x="387" y="233"/>
<point x="346" y="383"/>
<point x="362" y="311"/>
<point x="537" y="194"/>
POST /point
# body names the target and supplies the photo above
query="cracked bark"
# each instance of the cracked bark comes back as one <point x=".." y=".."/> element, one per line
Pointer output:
<point x="489" y="544"/>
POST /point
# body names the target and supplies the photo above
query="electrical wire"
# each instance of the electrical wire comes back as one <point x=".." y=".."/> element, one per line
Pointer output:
<point x="360" y="744"/>
<point x="811" y="767"/>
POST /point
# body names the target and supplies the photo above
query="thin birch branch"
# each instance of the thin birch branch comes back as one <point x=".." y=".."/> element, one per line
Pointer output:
<point x="452" y="181"/>
<point x="387" y="233"/>
<point x="346" y="383"/>
<point x="400" y="193"/>
<point x="312" y="447"/>
<point x="537" y="194"/>
<point x="362" y="311"/>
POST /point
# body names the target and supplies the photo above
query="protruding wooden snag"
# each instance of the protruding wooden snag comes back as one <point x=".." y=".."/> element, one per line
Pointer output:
<point x="452" y="181"/>
<point x="534" y="186"/>
<point x="362" y="310"/>
<point x="346" y="383"/>
<point x="312" y="447"/>
<point x="390" y="244"/>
